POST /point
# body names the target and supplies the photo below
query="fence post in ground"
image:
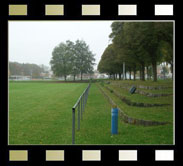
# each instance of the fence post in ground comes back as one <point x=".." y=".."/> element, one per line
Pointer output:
<point x="79" y="115"/>
<point x="80" y="107"/>
<point x="85" y="98"/>
<point x="73" y="125"/>
<point x="87" y="94"/>
<point x="81" y="104"/>
<point x="88" y="91"/>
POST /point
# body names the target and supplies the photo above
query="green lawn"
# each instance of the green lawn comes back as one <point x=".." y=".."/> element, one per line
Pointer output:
<point x="145" y="99"/>
<point x="164" y="83"/>
<point x="40" y="113"/>
<point x="163" y="113"/>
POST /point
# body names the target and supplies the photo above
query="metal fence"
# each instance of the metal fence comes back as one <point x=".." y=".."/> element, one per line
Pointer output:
<point x="80" y="107"/>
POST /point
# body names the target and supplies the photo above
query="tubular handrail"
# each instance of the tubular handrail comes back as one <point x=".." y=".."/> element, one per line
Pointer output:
<point x="80" y="105"/>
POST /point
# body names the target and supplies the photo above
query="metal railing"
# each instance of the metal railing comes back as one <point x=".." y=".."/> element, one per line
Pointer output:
<point x="80" y="107"/>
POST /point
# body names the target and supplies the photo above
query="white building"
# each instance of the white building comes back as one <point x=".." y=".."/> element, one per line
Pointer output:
<point x="19" y="78"/>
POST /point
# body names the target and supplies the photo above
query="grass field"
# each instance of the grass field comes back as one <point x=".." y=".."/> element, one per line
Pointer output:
<point x="40" y="113"/>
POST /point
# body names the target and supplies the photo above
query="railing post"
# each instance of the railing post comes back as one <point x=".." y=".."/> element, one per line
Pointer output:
<point x="84" y="99"/>
<point x="79" y="115"/>
<point x="86" y="95"/>
<point x="73" y="125"/>
<point x="81" y="104"/>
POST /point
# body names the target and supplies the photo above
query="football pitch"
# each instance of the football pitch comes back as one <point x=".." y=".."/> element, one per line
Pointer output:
<point x="40" y="113"/>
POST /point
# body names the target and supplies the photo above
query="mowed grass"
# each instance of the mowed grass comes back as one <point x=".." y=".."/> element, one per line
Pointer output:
<point x="96" y="126"/>
<point x="145" y="99"/>
<point x="40" y="113"/>
<point x="163" y="83"/>
<point x="163" y="113"/>
<point x="159" y="113"/>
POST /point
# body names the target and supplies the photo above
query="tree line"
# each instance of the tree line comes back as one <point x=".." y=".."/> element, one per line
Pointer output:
<point x="27" y="69"/>
<point x="141" y="45"/>
<point x="72" y="58"/>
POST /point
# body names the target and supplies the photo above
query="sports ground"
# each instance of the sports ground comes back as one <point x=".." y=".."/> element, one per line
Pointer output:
<point x="41" y="113"/>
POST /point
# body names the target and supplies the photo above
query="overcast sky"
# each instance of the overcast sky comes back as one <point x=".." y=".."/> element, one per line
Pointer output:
<point x="34" y="41"/>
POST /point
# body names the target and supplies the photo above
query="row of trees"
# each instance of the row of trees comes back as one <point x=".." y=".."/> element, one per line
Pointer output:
<point x="71" y="58"/>
<point x="27" y="69"/>
<point x="141" y="45"/>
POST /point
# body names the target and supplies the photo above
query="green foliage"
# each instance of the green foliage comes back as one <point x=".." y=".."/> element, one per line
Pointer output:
<point x="61" y="62"/>
<point x="138" y="44"/>
<point x="84" y="57"/>
<point x="108" y="63"/>
<point x="72" y="58"/>
<point x="26" y="69"/>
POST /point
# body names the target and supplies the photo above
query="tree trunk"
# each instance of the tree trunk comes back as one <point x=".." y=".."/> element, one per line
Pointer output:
<point x="125" y="75"/>
<point x="74" y="77"/>
<point x="154" y="66"/>
<point x="134" y="73"/>
<point x="143" y="73"/>
<point x="140" y="74"/>
<point x="81" y="76"/>
<point x="119" y="76"/>
<point x="147" y="72"/>
<point x="65" y="77"/>
<point x="130" y="74"/>
<point x="171" y="69"/>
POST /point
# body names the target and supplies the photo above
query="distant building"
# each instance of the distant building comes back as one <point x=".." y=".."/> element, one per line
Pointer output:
<point x="160" y="71"/>
<point x="46" y="75"/>
<point x="19" y="78"/>
<point x="97" y="75"/>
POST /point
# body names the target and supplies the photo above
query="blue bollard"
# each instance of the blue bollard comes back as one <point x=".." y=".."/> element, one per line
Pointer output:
<point x="114" y="121"/>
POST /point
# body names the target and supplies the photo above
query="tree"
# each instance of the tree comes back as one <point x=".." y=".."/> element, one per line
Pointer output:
<point x="166" y="36"/>
<point x="72" y="58"/>
<point x="167" y="52"/>
<point x="132" y="53"/>
<point x="61" y="62"/>
<point x="138" y="45"/>
<point x="25" y="69"/>
<point x="84" y="57"/>
<point x="152" y="34"/>
<point x="109" y="63"/>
